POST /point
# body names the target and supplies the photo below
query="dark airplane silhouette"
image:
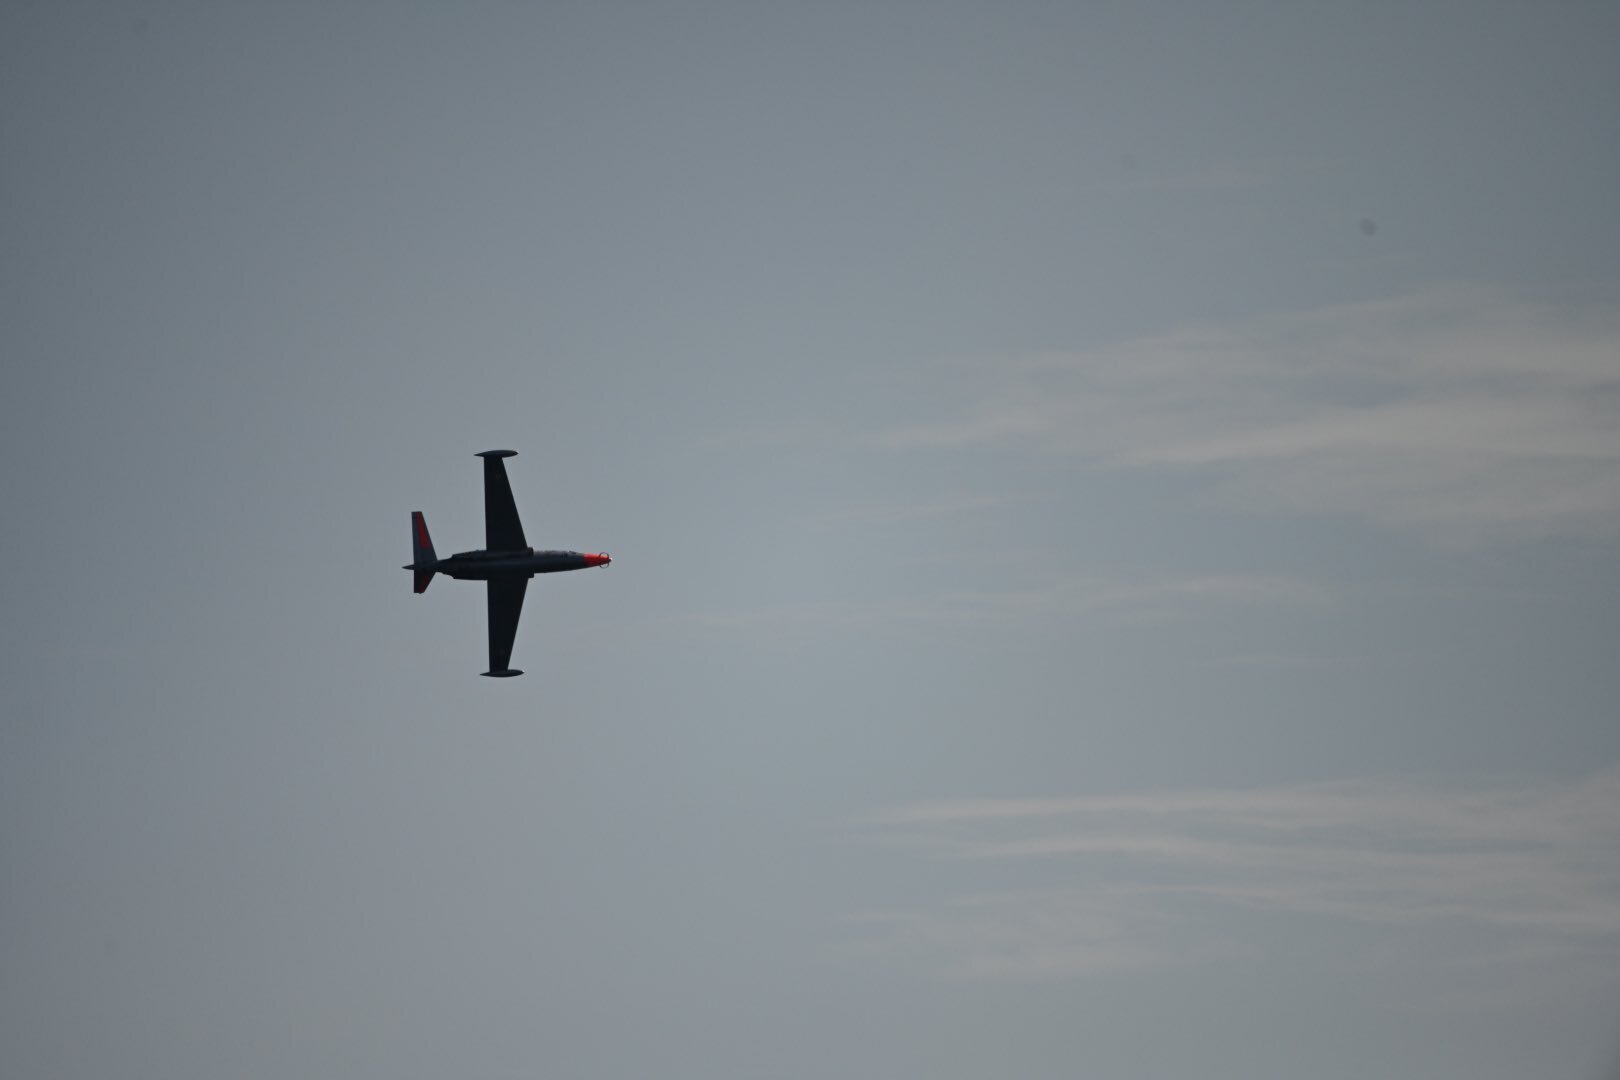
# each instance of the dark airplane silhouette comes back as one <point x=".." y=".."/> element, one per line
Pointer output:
<point x="507" y="562"/>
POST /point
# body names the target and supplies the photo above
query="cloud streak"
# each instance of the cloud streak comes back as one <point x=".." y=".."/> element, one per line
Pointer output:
<point x="1452" y="410"/>
<point x="1117" y="600"/>
<point x="1156" y="876"/>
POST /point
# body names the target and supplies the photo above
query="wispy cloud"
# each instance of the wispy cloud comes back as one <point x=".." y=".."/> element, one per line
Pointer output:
<point x="1213" y="175"/>
<point x="1453" y="410"/>
<point x="1115" y="599"/>
<point x="1221" y="177"/>
<point x="1153" y="872"/>
<point x="894" y="511"/>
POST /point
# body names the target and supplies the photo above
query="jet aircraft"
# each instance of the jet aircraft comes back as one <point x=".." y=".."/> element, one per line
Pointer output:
<point x="506" y="562"/>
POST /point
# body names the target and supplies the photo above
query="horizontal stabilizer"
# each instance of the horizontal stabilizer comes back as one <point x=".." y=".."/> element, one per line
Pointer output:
<point x="505" y="673"/>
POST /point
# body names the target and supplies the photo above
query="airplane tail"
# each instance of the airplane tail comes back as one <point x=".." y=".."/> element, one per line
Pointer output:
<point x="422" y="556"/>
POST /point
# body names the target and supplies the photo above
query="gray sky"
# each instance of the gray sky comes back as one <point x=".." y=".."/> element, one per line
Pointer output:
<point x="1082" y="606"/>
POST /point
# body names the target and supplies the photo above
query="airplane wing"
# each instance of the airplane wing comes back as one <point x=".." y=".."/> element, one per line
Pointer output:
<point x="505" y="606"/>
<point x="502" y="529"/>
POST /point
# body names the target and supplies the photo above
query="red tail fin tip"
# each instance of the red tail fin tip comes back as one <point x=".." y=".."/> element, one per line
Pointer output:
<point x="421" y="542"/>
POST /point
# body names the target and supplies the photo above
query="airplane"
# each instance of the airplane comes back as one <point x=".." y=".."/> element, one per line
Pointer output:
<point x="506" y="562"/>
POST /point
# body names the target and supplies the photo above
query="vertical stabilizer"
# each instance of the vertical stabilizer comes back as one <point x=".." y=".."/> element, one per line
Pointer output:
<point x="422" y="556"/>
<point x="421" y="542"/>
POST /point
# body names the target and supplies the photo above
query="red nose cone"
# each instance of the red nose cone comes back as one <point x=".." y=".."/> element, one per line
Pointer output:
<point x="598" y="560"/>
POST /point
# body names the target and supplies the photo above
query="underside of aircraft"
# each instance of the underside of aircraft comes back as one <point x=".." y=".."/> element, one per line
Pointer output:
<point x="505" y="563"/>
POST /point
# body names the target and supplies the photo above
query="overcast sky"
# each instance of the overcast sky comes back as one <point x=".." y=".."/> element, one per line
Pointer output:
<point x="1115" y="512"/>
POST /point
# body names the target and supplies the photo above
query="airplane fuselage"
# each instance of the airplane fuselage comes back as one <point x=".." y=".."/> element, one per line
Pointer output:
<point x="483" y="565"/>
